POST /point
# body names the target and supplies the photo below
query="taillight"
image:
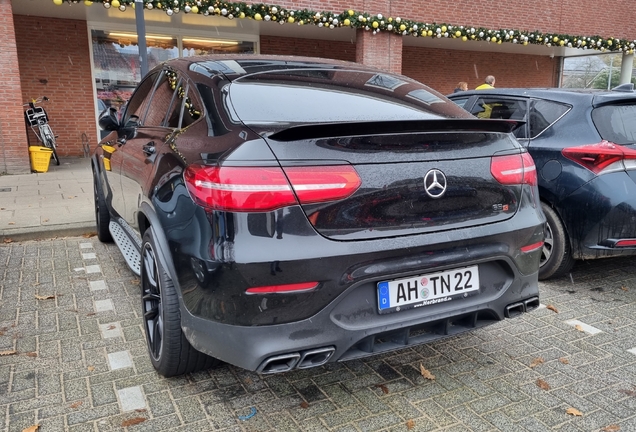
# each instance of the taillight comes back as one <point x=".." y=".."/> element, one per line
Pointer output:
<point x="514" y="169"/>
<point x="323" y="183"/>
<point x="245" y="189"/>
<point x="599" y="157"/>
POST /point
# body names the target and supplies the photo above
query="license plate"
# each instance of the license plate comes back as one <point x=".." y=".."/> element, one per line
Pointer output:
<point x="402" y="294"/>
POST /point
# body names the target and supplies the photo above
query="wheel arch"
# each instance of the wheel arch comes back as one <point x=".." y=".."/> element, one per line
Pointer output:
<point x="147" y="219"/>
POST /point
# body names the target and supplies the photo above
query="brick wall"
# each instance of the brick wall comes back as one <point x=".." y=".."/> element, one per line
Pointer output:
<point x="439" y="69"/>
<point x="54" y="61"/>
<point x="383" y="50"/>
<point x="443" y="69"/>
<point x="14" y="155"/>
<point x="336" y="50"/>
<point x="584" y="17"/>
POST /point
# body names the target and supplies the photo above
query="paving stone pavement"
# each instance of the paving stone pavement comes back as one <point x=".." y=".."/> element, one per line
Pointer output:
<point x="78" y="362"/>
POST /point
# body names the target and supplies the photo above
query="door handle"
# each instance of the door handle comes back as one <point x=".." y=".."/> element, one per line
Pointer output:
<point x="149" y="149"/>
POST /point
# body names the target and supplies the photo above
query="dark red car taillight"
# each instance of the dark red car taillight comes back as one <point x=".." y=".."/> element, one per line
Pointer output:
<point x="598" y="157"/>
<point x="514" y="169"/>
<point x="245" y="189"/>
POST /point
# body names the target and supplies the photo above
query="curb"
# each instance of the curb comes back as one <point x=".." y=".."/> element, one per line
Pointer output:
<point x="47" y="232"/>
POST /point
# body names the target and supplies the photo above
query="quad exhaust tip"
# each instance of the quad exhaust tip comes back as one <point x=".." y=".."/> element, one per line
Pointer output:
<point x="304" y="360"/>
<point x="516" y="309"/>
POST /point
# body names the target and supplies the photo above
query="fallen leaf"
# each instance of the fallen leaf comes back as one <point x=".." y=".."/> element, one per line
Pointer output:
<point x="1" y="333"/>
<point x="133" y="421"/>
<point x="76" y="404"/>
<point x="384" y="388"/>
<point x="110" y="327"/>
<point x="8" y="240"/>
<point x="611" y="428"/>
<point x="426" y="373"/>
<point x="71" y="197"/>
<point x="536" y="362"/>
<point x="45" y="297"/>
<point x="410" y="424"/>
<point x="552" y="308"/>
<point x="304" y="405"/>
<point x="32" y="354"/>
<point x="31" y="428"/>
<point x="11" y="223"/>
<point x="45" y="220"/>
<point x="628" y="392"/>
<point x="624" y="288"/>
<point x="91" y="368"/>
<point x="89" y="235"/>
<point x="91" y="314"/>
<point x="141" y="410"/>
<point x="574" y="412"/>
<point x="579" y="328"/>
<point x="542" y="384"/>
<point x="564" y="360"/>
<point x="135" y="281"/>
<point x="8" y="353"/>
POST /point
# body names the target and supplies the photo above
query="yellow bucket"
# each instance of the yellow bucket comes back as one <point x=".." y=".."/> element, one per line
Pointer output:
<point x="40" y="158"/>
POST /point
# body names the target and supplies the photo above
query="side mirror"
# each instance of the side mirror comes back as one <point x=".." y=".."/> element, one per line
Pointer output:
<point x="108" y="120"/>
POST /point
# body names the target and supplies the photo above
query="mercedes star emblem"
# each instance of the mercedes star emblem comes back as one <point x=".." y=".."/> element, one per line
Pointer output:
<point x="435" y="183"/>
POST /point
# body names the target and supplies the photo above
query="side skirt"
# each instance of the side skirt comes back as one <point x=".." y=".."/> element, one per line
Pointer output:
<point x="128" y="242"/>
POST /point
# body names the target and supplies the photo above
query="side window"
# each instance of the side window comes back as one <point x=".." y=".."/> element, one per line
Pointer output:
<point x="461" y="102"/>
<point x="216" y="125"/>
<point x="543" y="113"/>
<point x="507" y="109"/>
<point x="139" y="101"/>
<point x="183" y="109"/>
<point x="162" y="99"/>
<point x="191" y="108"/>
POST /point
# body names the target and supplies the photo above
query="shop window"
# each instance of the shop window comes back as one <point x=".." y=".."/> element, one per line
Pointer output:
<point x="201" y="46"/>
<point x="116" y="62"/>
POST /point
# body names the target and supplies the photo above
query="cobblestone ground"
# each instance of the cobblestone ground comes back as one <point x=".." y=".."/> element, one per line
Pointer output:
<point x="78" y="362"/>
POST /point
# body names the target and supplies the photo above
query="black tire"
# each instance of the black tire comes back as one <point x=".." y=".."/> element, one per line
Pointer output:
<point x="55" y="157"/>
<point x="556" y="256"/>
<point x="170" y="352"/>
<point x="102" y="216"/>
<point x="49" y="143"/>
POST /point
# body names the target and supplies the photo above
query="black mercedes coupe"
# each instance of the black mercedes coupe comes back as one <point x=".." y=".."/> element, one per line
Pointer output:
<point x="286" y="212"/>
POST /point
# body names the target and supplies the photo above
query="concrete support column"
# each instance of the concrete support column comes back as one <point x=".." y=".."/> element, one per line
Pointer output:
<point x="14" y="152"/>
<point x="382" y="50"/>
<point x="626" y="68"/>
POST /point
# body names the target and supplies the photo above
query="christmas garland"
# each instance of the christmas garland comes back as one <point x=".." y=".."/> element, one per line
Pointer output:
<point x="374" y="23"/>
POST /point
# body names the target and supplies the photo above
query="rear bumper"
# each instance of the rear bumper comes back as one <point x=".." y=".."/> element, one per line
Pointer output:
<point x="277" y="348"/>
<point x="218" y="256"/>
<point x="609" y="205"/>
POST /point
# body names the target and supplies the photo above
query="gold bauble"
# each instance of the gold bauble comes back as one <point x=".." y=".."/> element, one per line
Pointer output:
<point x="58" y="2"/>
<point x="258" y="17"/>
<point x="115" y="3"/>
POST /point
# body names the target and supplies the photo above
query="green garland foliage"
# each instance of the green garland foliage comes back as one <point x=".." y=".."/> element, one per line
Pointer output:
<point x="374" y="23"/>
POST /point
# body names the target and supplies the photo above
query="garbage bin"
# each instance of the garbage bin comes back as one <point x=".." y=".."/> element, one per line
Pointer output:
<point x="40" y="158"/>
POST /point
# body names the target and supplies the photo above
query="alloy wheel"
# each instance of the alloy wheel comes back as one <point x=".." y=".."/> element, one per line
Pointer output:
<point x="151" y="302"/>
<point x="548" y="245"/>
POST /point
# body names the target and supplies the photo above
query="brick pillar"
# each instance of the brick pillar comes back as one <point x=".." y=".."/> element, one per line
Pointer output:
<point x="14" y="153"/>
<point x="382" y="50"/>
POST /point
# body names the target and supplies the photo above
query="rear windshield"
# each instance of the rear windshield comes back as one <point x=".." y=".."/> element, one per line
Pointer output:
<point x="616" y="123"/>
<point x="317" y="96"/>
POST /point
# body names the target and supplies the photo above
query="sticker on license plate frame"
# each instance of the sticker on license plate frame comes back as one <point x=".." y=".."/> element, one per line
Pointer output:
<point x="428" y="289"/>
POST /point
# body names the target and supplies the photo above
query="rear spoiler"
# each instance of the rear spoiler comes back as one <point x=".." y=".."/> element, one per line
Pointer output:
<point x="330" y="130"/>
